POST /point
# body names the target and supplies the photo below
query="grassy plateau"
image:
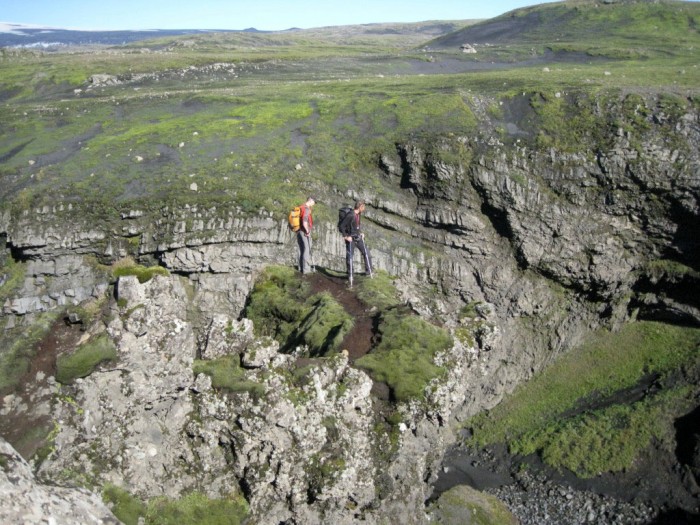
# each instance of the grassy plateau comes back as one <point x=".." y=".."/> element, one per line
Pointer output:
<point x="255" y="120"/>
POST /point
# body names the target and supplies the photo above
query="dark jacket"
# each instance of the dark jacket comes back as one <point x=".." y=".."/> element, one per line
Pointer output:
<point x="350" y="227"/>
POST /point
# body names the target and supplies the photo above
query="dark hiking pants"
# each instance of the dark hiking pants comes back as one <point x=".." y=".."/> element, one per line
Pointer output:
<point x="350" y="252"/>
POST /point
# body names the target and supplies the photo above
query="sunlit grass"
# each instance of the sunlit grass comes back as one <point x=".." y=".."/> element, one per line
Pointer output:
<point x="194" y="508"/>
<point x="84" y="360"/>
<point x="532" y="419"/>
<point x="404" y="357"/>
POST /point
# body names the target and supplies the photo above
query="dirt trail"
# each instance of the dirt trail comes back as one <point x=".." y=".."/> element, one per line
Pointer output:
<point x="28" y="423"/>
<point x="359" y="340"/>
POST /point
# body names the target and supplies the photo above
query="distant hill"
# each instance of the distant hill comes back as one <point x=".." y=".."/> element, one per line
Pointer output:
<point x="18" y="35"/>
<point x="610" y="22"/>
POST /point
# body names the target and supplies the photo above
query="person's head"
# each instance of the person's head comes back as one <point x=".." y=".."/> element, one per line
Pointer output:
<point x="310" y="201"/>
<point x="359" y="206"/>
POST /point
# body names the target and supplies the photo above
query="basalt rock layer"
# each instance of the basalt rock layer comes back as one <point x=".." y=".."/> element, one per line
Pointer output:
<point x="548" y="243"/>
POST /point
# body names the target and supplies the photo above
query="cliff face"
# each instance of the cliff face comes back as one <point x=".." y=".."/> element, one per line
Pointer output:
<point x="549" y="243"/>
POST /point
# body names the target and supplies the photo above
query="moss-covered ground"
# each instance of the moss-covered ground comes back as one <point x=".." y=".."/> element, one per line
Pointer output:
<point x="238" y="114"/>
<point x="282" y="305"/>
<point x="194" y="509"/>
<point x="599" y="407"/>
<point x="84" y="359"/>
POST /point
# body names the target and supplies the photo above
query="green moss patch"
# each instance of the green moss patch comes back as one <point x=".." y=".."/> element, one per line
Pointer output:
<point x="193" y="509"/>
<point x="85" y="359"/>
<point x="142" y="273"/>
<point x="378" y="292"/>
<point x="197" y="509"/>
<point x="276" y="302"/>
<point x="609" y="439"/>
<point x="226" y="373"/>
<point x="12" y="276"/>
<point x="324" y="326"/>
<point x="124" y="506"/>
<point x="404" y="357"/>
<point x="463" y="504"/>
<point x="281" y="306"/>
<point x="569" y="413"/>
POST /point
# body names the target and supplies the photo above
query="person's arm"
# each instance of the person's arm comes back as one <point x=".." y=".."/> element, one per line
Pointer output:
<point x="304" y="221"/>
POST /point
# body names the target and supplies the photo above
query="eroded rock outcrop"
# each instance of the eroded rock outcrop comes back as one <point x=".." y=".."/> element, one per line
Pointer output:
<point x="304" y="441"/>
<point x="550" y="244"/>
<point x="25" y="500"/>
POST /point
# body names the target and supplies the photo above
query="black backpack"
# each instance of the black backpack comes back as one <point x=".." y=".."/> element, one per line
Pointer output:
<point x="342" y="213"/>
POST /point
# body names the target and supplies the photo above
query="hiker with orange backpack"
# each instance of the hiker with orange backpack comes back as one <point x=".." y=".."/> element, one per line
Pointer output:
<point x="301" y="222"/>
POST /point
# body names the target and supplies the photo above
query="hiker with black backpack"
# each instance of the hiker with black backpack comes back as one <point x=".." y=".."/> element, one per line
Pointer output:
<point x="349" y="226"/>
<point x="301" y="222"/>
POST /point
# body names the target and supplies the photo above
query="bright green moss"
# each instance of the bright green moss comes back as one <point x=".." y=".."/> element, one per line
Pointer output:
<point x="226" y="373"/>
<point x="193" y="509"/>
<point x="142" y="273"/>
<point x="197" y="509"/>
<point x="404" y="357"/>
<point x="280" y="306"/>
<point x="532" y="418"/>
<point x="83" y="361"/>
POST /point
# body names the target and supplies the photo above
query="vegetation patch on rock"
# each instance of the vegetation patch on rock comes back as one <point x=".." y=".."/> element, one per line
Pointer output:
<point x="85" y="359"/>
<point x="462" y="504"/>
<point x="143" y="273"/>
<point x="404" y="356"/>
<point x="597" y="408"/>
<point x="281" y="306"/>
<point x="226" y="373"/>
<point x="194" y="509"/>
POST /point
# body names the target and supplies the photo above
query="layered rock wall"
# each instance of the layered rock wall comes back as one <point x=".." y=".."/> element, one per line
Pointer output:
<point x="547" y="245"/>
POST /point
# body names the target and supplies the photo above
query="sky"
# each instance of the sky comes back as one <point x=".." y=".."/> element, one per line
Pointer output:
<point x="268" y="15"/>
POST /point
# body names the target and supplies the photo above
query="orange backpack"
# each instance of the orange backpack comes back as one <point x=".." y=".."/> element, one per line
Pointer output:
<point x="295" y="218"/>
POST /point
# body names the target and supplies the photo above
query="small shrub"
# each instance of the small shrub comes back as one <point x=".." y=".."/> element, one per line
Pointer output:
<point x="85" y="359"/>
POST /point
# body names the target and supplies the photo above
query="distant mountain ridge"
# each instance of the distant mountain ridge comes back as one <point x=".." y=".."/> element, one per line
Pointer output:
<point x="21" y="35"/>
<point x="31" y="36"/>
